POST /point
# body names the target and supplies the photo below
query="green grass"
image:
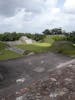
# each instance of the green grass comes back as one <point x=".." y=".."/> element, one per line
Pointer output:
<point x="63" y="47"/>
<point x="36" y="47"/>
<point x="60" y="45"/>
<point x="6" y="54"/>
<point x="52" y="43"/>
<point x="66" y="48"/>
<point x="53" y="38"/>
<point x="2" y="45"/>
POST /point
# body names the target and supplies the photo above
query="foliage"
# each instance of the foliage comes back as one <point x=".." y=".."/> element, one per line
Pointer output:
<point x="46" y="32"/>
<point x="7" y="36"/>
<point x="36" y="36"/>
<point x="52" y="38"/>
<point x="54" y="31"/>
<point x="71" y="36"/>
<point x="2" y="46"/>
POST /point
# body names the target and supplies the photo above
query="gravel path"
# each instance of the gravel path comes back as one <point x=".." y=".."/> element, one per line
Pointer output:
<point x="26" y="70"/>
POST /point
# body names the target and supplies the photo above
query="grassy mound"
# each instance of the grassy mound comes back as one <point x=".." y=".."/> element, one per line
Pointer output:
<point x="36" y="47"/>
<point x="63" y="47"/>
<point x="6" y="54"/>
<point x="2" y="45"/>
<point x="52" y="38"/>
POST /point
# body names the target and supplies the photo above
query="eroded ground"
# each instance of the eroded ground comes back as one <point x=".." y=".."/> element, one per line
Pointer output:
<point x="60" y="85"/>
<point x="22" y="72"/>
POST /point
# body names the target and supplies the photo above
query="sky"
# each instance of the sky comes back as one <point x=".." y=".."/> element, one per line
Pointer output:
<point x="35" y="16"/>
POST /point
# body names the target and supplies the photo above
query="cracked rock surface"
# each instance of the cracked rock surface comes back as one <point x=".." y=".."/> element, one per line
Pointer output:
<point x="33" y="74"/>
<point x="60" y="85"/>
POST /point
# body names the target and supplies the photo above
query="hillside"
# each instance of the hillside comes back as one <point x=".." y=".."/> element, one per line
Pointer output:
<point x="5" y="53"/>
<point x="63" y="47"/>
<point x="2" y="45"/>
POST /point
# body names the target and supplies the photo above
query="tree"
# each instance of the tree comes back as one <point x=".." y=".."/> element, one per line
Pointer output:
<point x="46" y="32"/>
<point x="71" y="36"/>
<point x="56" y="31"/>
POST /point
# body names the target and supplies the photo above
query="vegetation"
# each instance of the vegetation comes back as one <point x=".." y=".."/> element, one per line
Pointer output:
<point x="51" y="38"/>
<point x="55" y="31"/>
<point x="2" y="46"/>
<point x="36" y="47"/>
<point x="15" y="36"/>
<point x="63" y="47"/>
<point x="70" y="36"/>
<point x="7" y="54"/>
<point x="55" y="40"/>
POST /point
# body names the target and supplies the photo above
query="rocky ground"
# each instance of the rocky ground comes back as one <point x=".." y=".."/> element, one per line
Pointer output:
<point x="60" y="85"/>
<point x="38" y="77"/>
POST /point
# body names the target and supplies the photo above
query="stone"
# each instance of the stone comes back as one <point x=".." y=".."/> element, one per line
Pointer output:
<point x="20" y="80"/>
<point x="1" y="77"/>
<point x="39" y="69"/>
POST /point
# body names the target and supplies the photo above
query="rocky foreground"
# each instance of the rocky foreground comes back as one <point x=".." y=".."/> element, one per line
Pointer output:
<point x="60" y="85"/>
<point x="40" y="77"/>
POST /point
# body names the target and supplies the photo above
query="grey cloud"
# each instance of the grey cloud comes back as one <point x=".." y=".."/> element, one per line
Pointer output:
<point x="9" y="7"/>
<point x="70" y="11"/>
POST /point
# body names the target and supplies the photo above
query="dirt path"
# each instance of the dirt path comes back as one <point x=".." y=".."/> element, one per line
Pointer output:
<point x="25" y="70"/>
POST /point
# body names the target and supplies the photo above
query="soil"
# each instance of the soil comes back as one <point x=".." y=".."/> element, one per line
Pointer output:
<point x="22" y="73"/>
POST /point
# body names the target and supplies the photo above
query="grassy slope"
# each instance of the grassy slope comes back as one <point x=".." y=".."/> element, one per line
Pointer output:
<point x="36" y="47"/>
<point x="66" y="48"/>
<point x="6" y="54"/>
<point x="51" y="43"/>
<point x="2" y="45"/>
<point x="52" y="38"/>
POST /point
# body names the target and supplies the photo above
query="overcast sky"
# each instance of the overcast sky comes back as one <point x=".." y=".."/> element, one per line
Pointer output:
<point x="36" y="15"/>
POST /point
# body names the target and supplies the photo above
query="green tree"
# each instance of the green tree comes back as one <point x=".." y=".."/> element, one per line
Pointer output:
<point x="46" y="32"/>
<point x="56" y="31"/>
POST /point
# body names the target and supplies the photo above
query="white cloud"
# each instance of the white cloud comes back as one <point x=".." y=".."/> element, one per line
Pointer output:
<point x="28" y="20"/>
<point x="37" y="15"/>
<point x="55" y="10"/>
<point x="69" y="6"/>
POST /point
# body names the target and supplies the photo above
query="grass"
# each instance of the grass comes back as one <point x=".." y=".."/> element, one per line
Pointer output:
<point x="60" y="45"/>
<point x="2" y="45"/>
<point x="66" y="48"/>
<point x="52" y="43"/>
<point x="36" y="47"/>
<point x="6" y="54"/>
<point x="63" y="47"/>
<point x="53" y="38"/>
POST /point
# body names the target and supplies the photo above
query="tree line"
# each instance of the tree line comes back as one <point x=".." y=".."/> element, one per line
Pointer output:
<point x="54" y="31"/>
<point x="8" y="36"/>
